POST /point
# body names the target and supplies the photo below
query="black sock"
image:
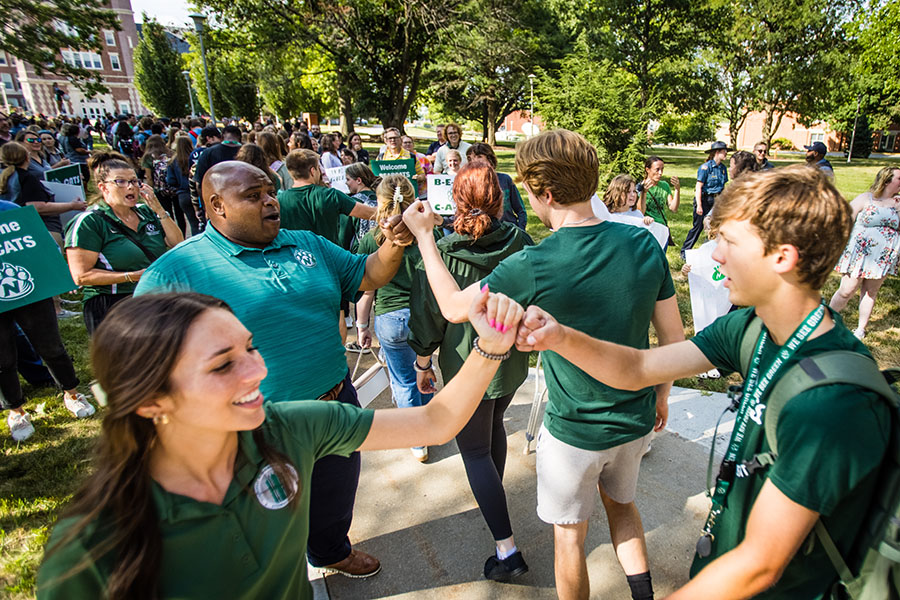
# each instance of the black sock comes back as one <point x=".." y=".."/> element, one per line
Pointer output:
<point x="641" y="586"/>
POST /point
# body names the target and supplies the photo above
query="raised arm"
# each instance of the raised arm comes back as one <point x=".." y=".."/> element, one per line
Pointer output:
<point x="363" y="211"/>
<point x="453" y="302"/>
<point x="448" y="412"/>
<point x="674" y="198"/>
<point x="382" y="265"/>
<point x="617" y="366"/>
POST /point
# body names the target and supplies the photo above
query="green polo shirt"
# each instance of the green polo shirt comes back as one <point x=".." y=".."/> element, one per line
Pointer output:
<point x="115" y="252"/>
<point x="657" y="199"/>
<point x="251" y="546"/>
<point x="287" y="294"/>
<point x="315" y="208"/>
<point x="831" y="441"/>
<point x="395" y="294"/>
<point x="604" y="280"/>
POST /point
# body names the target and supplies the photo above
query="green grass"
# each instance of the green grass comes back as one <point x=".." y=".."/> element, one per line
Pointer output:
<point x="38" y="476"/>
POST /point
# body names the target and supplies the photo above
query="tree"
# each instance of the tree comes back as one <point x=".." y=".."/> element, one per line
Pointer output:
<point x="157" y="72"/>
<point x="379" y="47"/>
<point x="35" y="31"/>
<point x="236" y="79"/>
<point x="482" y="74"/>
<point x="198" y="80"/>
<point x="602" y="103"/>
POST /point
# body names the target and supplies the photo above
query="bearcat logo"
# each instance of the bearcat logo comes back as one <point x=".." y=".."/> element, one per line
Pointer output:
<point x="15" y="282"/>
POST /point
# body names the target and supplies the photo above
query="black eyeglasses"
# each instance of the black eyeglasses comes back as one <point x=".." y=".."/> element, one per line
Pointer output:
<point x="124" y="183"/>
<point x="392" y="138"/>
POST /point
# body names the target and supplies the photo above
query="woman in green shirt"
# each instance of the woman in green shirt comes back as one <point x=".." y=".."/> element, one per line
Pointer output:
<point x="657" y="195"/>
<point x="110" y="246"/>
<point x="199" y="489"/>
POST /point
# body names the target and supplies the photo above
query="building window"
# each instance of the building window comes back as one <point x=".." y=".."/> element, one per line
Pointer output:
<point x="888" y="139"/>
<point x="124" y="107"/>
<point x="8" y="82"/>
<point x="114" y="61"/>
<point x="3" y="58"/>
<point x="816" y="137"/>
<point x="110" y="37"/>
<point x="87" y="60"/>
<point x="130" y="42"/>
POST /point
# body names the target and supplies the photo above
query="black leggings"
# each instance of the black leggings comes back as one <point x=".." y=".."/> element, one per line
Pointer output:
<point x="482" y="445"/>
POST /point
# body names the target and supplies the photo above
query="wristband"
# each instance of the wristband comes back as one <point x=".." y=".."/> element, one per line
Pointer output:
<point x="425" y="369"/>
<point x="487" y="355"/>
<point x="362" y="325"/>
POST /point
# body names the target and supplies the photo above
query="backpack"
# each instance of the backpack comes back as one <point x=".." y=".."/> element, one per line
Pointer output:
<point x="879" y="577"/>
<point x="160" y="167"/>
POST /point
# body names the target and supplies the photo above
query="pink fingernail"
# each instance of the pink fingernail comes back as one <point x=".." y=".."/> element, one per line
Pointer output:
<point x="504" y="329"/>
<point x="484" y="288"/>
<point x="493" y="323"/>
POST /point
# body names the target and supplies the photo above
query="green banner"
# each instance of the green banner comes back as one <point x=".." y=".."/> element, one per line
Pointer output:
<point x="70" y="175"/>
<point x="31" y="265"/>
<point x="403" y="167"/>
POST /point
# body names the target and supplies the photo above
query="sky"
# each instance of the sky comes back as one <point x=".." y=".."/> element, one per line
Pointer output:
<point x="167" y="12"/>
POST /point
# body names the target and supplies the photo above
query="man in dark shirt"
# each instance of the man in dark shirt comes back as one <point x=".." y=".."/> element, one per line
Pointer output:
<point x="227" y="150"/>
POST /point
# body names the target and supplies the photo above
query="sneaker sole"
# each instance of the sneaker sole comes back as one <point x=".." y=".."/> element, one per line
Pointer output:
<point x="331" y="571"/>
<point x="509" y="576"/>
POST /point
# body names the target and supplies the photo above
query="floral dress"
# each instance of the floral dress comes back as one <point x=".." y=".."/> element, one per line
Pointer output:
<point x="874" y="245"/>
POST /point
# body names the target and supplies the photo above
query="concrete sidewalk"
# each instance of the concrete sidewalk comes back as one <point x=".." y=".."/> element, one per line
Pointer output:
<point x="422" y="522"/>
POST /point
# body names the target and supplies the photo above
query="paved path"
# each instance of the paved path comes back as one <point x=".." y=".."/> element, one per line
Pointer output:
<point x="422" y="522"/>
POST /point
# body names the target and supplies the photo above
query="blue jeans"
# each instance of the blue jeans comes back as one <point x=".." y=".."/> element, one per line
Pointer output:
<point x="392" y="330"/>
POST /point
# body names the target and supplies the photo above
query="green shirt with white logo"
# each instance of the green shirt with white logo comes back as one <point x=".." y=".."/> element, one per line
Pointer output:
<point x="287" y="294"/>
<point x="115" y="252"/>
<point x="603" y="280"/>
<point x="831" y="441"/>
<point x="315" y="208"/>
<point x="251" y="546"/>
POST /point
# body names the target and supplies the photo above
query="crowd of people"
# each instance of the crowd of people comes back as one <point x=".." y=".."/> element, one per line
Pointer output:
<point x="219" y="269"/>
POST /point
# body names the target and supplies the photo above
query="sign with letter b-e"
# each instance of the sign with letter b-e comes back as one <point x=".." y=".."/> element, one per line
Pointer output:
<point x="31" y="265"/>
<point x="440" y="193"/>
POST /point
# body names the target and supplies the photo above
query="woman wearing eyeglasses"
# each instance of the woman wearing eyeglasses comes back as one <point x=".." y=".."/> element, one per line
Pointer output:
<point x="111" y="245"/>
<point x="37" y="158"/>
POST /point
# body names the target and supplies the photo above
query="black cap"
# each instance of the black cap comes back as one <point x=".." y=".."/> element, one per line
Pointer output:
<point x="818" y="147"/>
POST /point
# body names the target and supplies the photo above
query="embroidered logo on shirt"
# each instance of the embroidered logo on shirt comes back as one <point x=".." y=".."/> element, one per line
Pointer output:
<point x="305" y="258"/>
<point x="269" y="491"/>
<point x="152" y="229"/>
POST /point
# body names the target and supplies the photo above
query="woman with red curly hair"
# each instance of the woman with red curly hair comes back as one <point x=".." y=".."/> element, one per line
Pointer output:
<point x="479" y="243"/>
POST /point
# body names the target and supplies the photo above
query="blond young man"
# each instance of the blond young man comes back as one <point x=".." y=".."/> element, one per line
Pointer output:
<point x="608" y="280"/>
<point x="780" y="232"/>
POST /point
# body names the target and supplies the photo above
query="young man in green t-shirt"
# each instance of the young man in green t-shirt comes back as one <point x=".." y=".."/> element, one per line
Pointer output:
<point x="609" y="280"/>
<point x="780" y="232"/>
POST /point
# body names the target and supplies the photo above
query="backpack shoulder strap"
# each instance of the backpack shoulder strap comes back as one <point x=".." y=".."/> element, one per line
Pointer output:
<point x="828" y="368"/>
<point x="748" y="343"/>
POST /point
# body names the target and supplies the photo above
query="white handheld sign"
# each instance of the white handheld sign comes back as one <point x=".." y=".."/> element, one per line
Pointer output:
<point x="440" y="194"/>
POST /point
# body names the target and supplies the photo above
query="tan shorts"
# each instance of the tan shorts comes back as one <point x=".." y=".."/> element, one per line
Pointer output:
<point x="567" y="477"/>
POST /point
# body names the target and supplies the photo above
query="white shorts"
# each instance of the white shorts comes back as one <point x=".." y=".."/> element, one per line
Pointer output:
<point x="567" y="477"/>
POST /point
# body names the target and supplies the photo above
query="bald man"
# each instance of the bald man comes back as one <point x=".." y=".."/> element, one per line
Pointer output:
<point x="286" y="287"/>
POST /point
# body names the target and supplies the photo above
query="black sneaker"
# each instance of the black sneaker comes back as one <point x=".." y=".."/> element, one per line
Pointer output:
<point x="504" y="570"/>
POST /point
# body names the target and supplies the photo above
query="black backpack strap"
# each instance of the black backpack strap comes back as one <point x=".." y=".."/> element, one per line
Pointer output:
<point x="128" y="234"/>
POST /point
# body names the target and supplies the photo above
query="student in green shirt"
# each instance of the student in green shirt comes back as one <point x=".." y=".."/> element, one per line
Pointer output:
<point x="200" y="489"/>
<point x="607" y="279"/>
<point x="779" y="234"/>
<point x="656" y="195"/>
<point x="392" y="308"/>
<point x="311" y="206"/>
<point x="480" y="242"/>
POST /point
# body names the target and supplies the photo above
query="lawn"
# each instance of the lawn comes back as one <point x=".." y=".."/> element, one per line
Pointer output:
<point x="38" y="476"/>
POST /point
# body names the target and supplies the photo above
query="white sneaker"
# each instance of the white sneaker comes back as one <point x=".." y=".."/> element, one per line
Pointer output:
<point x="859" y="333"/>
<point x="348" y="321"/>
<point x="421" y="454"/>
<point x="67" y="314"/>
<point x="78" y="406"/>
<point x="20" y="426"/>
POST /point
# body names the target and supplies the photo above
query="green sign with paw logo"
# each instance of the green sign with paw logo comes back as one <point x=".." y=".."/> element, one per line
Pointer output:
<point x="31" y="265"/>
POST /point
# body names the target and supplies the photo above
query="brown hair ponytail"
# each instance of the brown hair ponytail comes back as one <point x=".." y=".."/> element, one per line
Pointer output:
<point x="12" y="154"/>
<point x="478" y="197"/>
<point x="133" y="354"/>
<point x="395" y="193"/>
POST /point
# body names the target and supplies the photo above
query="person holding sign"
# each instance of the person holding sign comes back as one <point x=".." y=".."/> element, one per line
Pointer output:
<point x="110" y="246"/>
<point x="479" y="243"/>
<point x="309" y="205"/>
<point x="394" y="150"/>
<point x="201" y="487"/>
<point x="779" y="232"/>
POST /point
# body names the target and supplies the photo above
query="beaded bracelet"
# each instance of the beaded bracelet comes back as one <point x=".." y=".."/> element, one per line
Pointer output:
<point x="486" y="355"/>
<point x="425" y="369"/>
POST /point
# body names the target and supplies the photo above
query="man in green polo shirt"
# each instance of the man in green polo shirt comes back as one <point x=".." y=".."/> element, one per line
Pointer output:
<point x="313" y="207"/>
<point x="286" y="286"/>
<point x="612" y="281"/>
<point x="831" y="439"/>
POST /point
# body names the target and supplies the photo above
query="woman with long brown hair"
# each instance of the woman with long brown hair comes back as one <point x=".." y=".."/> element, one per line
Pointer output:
<point x="252" y="154"/>
<point x="178" y="178"/>
<point x="271" y="145"/>
<point x="479" y="242"/>
<point x="199" y="488"/>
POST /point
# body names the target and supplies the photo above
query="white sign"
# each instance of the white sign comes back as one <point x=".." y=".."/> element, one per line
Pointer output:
<point x="709" y="296"/>
<point x="659" y="232"/>
<point x="440" y="193"/>
<point x="338" y="178"/>
<point x="63" y="192"/>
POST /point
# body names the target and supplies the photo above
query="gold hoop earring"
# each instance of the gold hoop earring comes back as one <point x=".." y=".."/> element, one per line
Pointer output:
<point x="161" y="419"/>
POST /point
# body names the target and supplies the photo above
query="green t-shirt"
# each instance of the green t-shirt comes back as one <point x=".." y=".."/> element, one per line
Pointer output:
<point x="604" y="280"/>
<point x="115" y="252"/>
<point x="315" y="208"/>
<point x="394" y="295"/>
<point x="287" y="294"/>
<point x="831" y="441"/>
<point x="658" y="202"/>
<point x="251" y="546"/>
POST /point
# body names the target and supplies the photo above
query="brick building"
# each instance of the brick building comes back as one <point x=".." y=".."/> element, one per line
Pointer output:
<point x="38" y="93"/>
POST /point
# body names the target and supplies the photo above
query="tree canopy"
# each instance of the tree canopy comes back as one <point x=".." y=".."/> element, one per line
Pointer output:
<point x="157" y="72"/>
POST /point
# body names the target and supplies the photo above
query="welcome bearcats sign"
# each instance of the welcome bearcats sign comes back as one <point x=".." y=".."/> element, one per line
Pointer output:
<point x="31" y="265"/>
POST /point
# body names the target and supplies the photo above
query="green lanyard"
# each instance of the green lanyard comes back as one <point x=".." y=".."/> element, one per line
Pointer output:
<point x="751" y="409"/>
